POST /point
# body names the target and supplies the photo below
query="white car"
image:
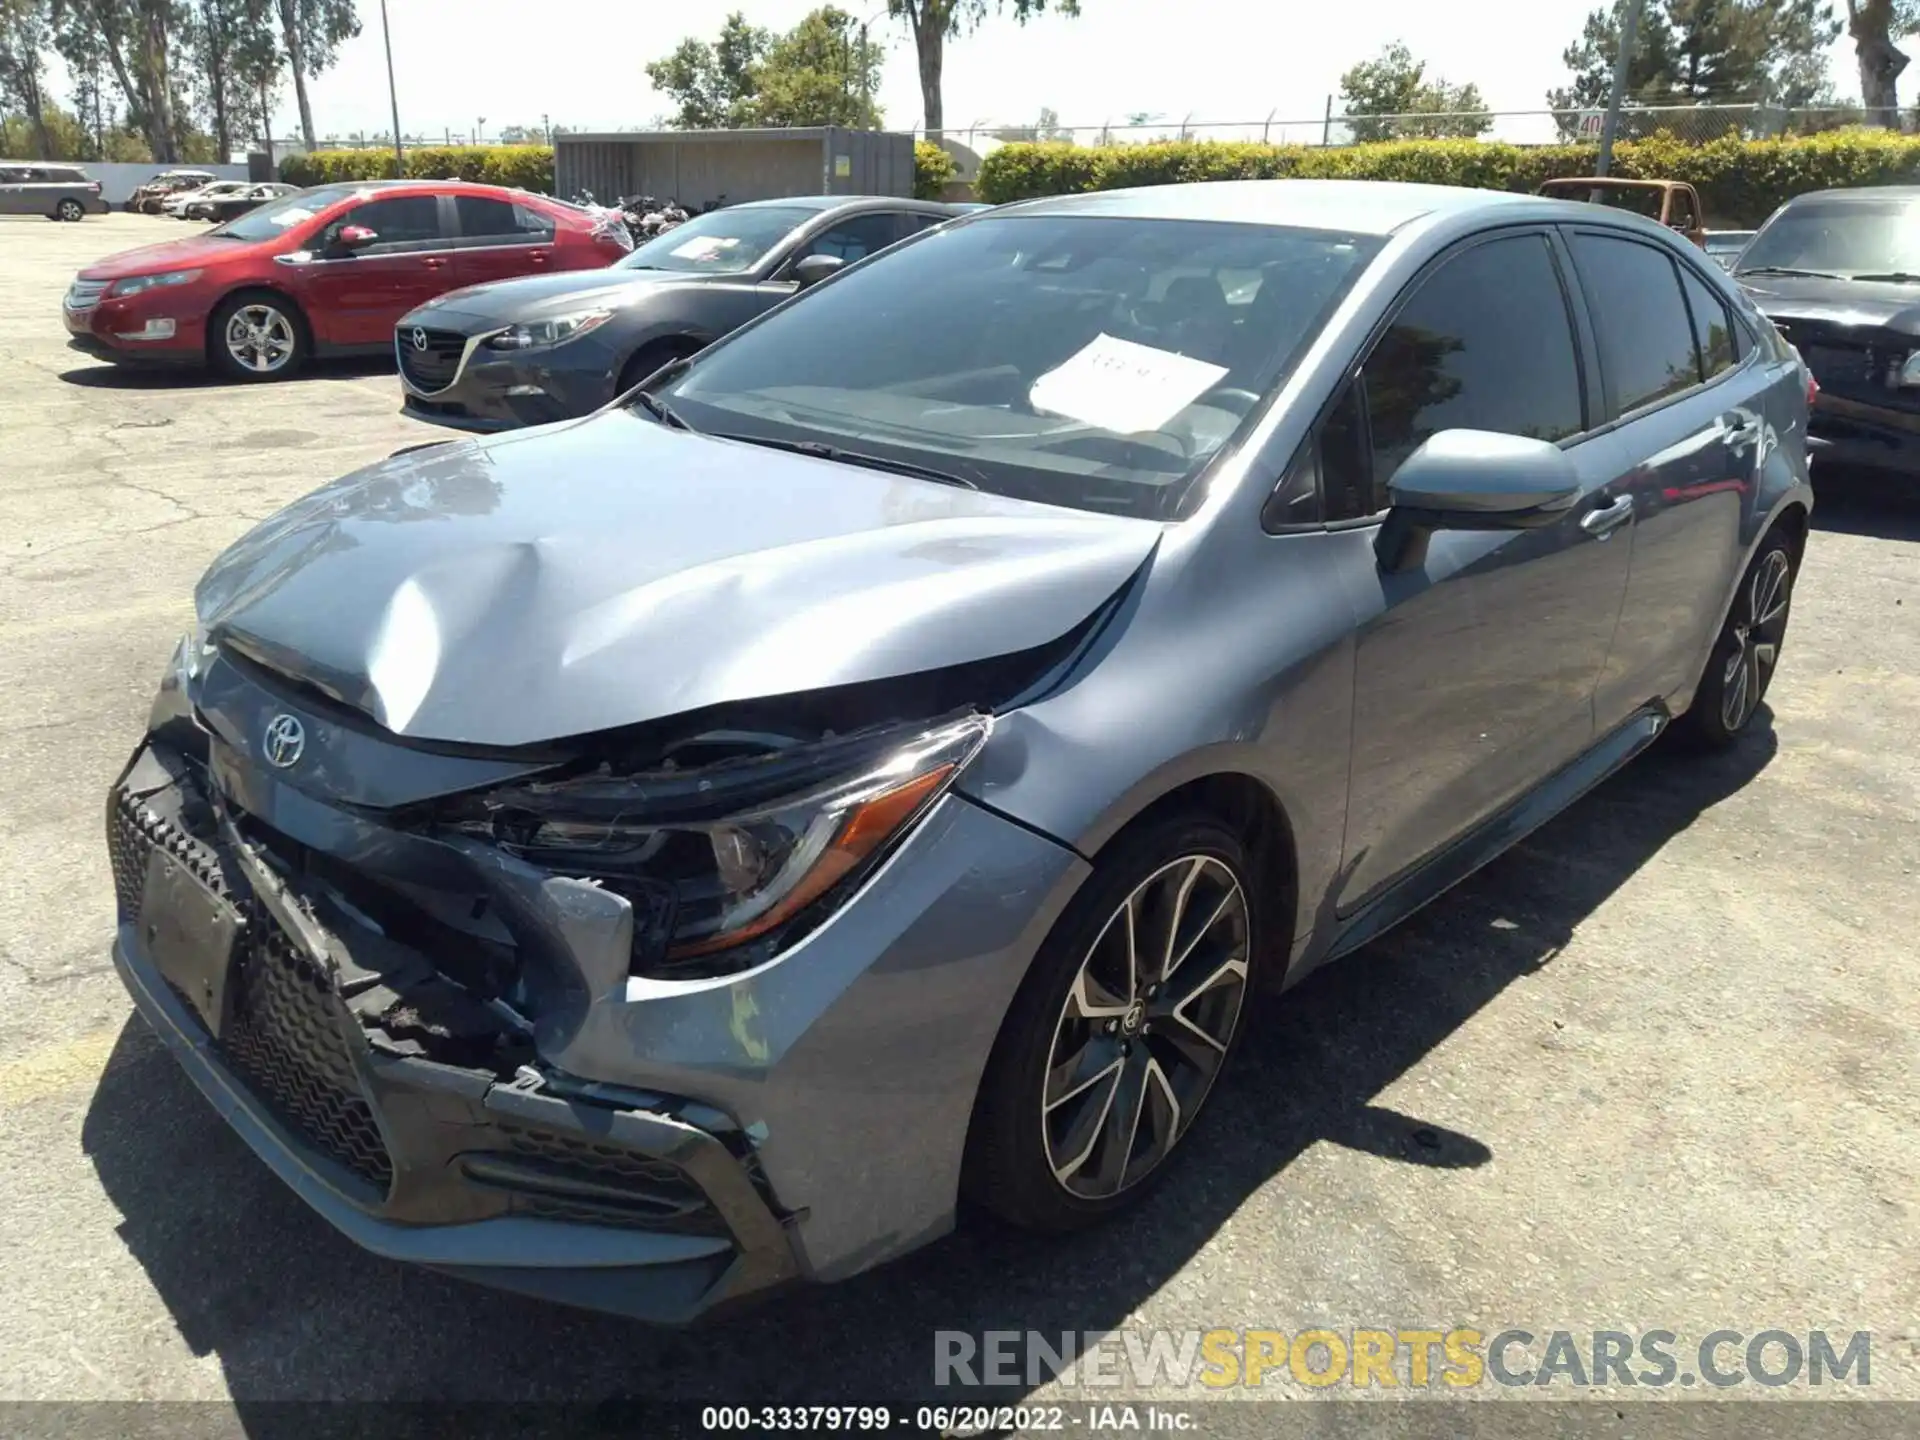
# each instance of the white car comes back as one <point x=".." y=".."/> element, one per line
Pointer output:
<point x="176" y="204"/>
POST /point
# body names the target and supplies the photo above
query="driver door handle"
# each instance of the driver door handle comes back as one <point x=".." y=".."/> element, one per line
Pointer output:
<point x="1602" y="522"/>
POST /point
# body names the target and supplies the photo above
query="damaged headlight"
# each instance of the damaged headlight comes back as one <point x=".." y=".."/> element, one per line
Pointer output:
<point x="720" y="861"/>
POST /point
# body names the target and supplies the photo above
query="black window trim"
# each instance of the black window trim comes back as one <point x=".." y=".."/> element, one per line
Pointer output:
<point x="1675" y="256"/>
<point x="1585" y="354"/>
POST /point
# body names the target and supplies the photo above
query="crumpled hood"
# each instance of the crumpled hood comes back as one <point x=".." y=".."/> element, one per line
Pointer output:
<point x="1837" y="302"/>
<point x="608" y="571"/>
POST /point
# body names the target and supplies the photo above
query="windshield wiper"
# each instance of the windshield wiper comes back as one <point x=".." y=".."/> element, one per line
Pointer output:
<point x="1893" y="277"/>
<point x="660" y="411"/>
<point x="1789" y="270"/>
<point x="819" y="450"/>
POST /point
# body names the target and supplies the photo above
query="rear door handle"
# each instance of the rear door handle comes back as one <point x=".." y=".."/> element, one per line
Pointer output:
<point x="1602" y="522"/>
<point x="436" y="264"/>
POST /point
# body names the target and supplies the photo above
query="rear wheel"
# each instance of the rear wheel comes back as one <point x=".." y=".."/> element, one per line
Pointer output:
<point x="1114" y="1042"/>
<point x="257" y="336"/>
<point x="1748" y="650"/>
<point x="71" y="210"/>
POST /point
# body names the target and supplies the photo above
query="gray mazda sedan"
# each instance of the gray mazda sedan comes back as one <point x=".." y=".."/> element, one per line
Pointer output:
<point x="650" y="859"/>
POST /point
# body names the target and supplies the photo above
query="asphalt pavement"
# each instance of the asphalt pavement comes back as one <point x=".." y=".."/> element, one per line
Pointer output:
<point x="1655" y="1069"/>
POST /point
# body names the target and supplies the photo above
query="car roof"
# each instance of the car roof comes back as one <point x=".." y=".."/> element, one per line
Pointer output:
<point x="1368" y="207"/>
<point x="1862" y="192"/>
<point x="835" y="202"/>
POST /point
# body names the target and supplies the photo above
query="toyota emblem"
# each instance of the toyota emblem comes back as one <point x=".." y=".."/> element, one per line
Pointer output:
<point x="419" y="339"/>
<point x="285" y="738"/>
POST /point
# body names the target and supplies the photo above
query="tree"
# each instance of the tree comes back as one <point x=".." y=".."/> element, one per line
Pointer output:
<point x="26" y="28"/>
<point x="819" y="73"/>
<point x="1701" y="53"/>
<point x="1874" y="25"/>
<point x="235" y="51"/>
<point x="822" y="72"/>
<point x="313" y="32"/>
<point x="133" y="39"/>
<point x="934" y="22"/>
<point x="714" y="84"/>
<point x="1394" y="86"/>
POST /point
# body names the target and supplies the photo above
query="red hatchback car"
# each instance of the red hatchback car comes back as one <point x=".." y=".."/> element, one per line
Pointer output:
<point x="325" y="271"/>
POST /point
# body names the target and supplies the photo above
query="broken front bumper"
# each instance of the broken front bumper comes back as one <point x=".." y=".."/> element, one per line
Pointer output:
<point x="628" y="1202"/>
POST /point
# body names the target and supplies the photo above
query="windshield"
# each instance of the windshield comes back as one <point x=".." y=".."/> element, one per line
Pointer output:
<point x="1840" y="237"/>
<point x="1088" y="361"/>
<point x="273" y="220"/>
<point x="721" y="242"/>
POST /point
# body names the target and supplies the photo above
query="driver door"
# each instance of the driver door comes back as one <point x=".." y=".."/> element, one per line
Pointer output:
<point x="1475" y="670"/>
<point x="354" y="298"/>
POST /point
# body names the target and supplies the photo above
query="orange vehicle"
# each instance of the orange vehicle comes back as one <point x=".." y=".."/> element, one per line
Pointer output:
<point x="1673" y="203"/>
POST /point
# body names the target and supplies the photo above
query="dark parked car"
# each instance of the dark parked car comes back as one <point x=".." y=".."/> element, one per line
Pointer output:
<point x="59" y="192"/>
<point x="533" y="351"/>
<point x="222" y="208"/>
<point x="321" y="272"/>
<point x="1838" y="271"/>
<point x="658" y="857"/>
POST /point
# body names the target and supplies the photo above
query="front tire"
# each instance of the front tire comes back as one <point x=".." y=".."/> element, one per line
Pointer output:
<point x="1127" y="1018"/>
<point x="257" y="336"/>
<point x="1747" y="651"/>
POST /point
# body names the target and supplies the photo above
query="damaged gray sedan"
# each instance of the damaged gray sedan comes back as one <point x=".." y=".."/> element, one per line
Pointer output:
<point x="647" y="860"/>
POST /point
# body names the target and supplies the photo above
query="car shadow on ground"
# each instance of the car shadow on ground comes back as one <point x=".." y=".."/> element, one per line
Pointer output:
<point x="1869" y="503"/>
<point x="105" y="376"/>
<point x="294" y="1311"/>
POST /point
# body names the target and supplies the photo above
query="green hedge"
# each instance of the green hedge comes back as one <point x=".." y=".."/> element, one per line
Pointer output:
<point x="520" y="167"/>
<point x="933" y="170"/>
<point x="1740" y="181"/>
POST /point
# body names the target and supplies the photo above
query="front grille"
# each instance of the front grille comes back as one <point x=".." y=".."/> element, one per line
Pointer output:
<point x="282" y="1038"/>
<point x="434" y="367"/>
<point x="284" y="1041"/>
<point x="85" y="294"/>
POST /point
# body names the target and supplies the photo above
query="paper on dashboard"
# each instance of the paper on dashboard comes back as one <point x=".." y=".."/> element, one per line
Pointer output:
<point x="1123" y="386"/>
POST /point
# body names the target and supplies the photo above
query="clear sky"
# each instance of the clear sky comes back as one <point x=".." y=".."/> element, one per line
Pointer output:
<point x="581" y="62"/>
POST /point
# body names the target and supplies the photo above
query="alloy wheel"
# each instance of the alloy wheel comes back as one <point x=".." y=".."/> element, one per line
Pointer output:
<point x="260" y="338"/>
<point x="1145" y="1027"/>
<point x="1757" y="635"/>
<point x="70" y="210"/>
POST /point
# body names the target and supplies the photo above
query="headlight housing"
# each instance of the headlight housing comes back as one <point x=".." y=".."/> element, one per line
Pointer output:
<point x="726" y="863"/>
<point x="138" y="284"/>
<point x="539" y="333"/>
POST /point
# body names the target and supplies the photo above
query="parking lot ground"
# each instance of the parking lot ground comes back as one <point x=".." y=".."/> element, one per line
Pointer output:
<point x="1656" y="1069"/>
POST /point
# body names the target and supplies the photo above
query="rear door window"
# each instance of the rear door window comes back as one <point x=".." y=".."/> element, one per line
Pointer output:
<point x="1639" y="316"/>
<point x="490" y="221"/>
<point x="1714" y="330"/>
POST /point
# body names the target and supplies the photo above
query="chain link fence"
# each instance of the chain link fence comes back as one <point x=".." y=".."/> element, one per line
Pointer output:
<point x="1692" y="124"/>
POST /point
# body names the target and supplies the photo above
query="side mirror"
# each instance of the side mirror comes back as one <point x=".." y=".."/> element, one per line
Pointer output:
<point x="1473" y="480"/>
<point x="815" y="268"/>
<point x="354" y="237"/>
